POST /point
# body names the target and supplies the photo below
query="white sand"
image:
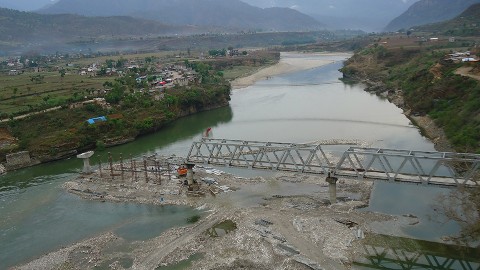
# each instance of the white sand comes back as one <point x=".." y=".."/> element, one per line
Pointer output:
<point x="289" y="62"/>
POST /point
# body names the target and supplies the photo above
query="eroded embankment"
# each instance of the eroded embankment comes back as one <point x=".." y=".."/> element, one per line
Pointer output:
<point x="369" y="70"/>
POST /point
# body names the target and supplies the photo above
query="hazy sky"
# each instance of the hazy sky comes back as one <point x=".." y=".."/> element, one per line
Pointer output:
<point x="368" y="15"/>
<point x="36" y="4"/>
<point x="25" y="5"/>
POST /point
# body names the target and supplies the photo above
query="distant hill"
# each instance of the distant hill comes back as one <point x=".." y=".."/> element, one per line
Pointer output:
<point x="24" y="5"/>
<point x="429" y="11"/>
<point x="367" y="15"/>
<point x="232" y="14"/>
<point x="18" y="26"/>
<point x="466" y="24"/>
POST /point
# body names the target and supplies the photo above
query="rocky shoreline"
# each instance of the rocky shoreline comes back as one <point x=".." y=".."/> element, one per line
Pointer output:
<point x="274" y="226"/>
<point x="281" y="221"/>
<point x="427" y="126"/>
<point x="28" y="161"/>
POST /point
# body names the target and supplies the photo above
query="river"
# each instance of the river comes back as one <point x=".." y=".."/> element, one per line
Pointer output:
<point x="38" y="216"/>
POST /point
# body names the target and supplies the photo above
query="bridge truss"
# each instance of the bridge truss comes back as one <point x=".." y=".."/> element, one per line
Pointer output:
<point x="420" y="167"/>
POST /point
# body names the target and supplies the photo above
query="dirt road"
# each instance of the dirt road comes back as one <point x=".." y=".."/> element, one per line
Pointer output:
<point x="465" y="71"/>
<point x="158" y="255"/>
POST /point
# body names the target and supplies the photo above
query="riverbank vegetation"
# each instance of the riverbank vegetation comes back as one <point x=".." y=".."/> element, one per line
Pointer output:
<point x="431" y="79"/>
<point x="124" y="98"/>
<point x="425" y="75"/>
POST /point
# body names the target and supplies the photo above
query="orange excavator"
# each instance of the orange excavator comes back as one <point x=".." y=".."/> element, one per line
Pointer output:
<point x="182" y="170"/>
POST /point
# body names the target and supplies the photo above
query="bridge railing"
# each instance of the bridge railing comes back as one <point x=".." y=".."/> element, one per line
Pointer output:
<point x="420" y="167"/>
<point x="441" y="168"/>
<point x="306" y="158"/>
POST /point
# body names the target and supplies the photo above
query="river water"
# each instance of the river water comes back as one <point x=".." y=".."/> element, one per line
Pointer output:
<point x="38" y="216"/>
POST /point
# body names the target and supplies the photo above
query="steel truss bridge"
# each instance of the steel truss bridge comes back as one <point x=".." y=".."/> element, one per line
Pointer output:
<point x="418" y="167"/>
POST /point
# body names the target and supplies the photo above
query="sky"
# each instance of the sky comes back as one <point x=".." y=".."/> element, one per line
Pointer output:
<point x="24" y="5"/>
<point x="368" y="15"/>
<point x="28" y="5"/>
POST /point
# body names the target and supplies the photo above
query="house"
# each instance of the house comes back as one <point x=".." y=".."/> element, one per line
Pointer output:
<point x="233" y="52"/>
<point x="94" y="120"/>
<point x="13" y="72"/>
<point x="469" y="59"/>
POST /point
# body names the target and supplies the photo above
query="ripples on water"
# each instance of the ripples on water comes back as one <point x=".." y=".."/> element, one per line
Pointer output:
<point x="38" y="216"/>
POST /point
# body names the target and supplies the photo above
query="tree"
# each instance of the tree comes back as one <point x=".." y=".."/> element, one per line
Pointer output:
<point x="109" y="63"/>
<point x="115" y="95"/>
<point x="37" y="78"/>
<point x="120" y="63"/>
<point x="46" y="98"/>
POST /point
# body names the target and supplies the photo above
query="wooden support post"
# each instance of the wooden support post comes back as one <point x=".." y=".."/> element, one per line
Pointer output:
<point x="121" y="166"/>
<point x="131" y="167"/>
<point x="100" y="166"/>
<point x="135" y="170"/>
<point x="169" y="172"/>
<point x="145" y="168"/>
<point x="159" y="176"/>
<point x="111" y="165"/>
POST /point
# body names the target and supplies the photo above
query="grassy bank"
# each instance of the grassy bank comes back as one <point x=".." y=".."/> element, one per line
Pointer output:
<point x="427" y="81"/>
<point x="131" y="107"/>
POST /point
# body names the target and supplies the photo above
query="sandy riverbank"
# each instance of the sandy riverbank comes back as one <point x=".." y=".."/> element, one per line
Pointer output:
<point x="289" y="62"/>
<point x="283" y="221"/>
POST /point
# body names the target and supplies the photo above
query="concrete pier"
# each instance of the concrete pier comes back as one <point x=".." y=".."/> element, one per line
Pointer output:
<point x="86" y="161"/>
<point x="332" y="188"/>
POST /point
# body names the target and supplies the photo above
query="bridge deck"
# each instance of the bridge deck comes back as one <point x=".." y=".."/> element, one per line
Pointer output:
<point x="403" y="166"/>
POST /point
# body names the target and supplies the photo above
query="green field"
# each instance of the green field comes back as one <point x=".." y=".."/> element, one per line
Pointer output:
<point x="20" y="94"/>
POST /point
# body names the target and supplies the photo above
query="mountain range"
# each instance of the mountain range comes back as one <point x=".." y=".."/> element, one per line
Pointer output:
<point x="367" y="15"/>
<point x="25" y="5"/>
<point x="17" y="26"/>
<point x="465" y="24"/>
<point x="233" y="14"/>
<point x="264" y="15"/>
<point x="429" y="11"/>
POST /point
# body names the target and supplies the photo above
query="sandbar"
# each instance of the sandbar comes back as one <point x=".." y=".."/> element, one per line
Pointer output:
<point x="289" y="62"/>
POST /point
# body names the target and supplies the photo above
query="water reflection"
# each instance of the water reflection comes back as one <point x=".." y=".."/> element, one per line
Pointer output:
<point x="388" y="252"/>
<point x="183" y="129"/>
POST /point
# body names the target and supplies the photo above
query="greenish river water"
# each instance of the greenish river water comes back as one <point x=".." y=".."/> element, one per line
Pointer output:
<point x="38" y="216"/>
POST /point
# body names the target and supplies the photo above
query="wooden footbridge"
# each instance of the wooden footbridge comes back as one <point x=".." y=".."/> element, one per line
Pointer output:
<point x="418" y="167"/>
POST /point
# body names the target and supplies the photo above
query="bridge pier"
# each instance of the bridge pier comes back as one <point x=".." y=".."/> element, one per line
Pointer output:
<point x="332" y="188"/>
<point x="190" y="180"/>
<point x="87" y="169"/>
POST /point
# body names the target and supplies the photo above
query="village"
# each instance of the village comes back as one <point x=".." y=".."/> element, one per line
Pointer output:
<point x="33" y="82"/>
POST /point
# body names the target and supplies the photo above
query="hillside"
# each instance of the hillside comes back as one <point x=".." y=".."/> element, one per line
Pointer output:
<point x="232" y="14"/>
<point x="425" y="85"/>
<point x="24" y="5"/>
<point x="367" y="15"/>
<point x="429" y="11"/>
<point x="466" y="24"/>
<point x="17" y="26"/>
